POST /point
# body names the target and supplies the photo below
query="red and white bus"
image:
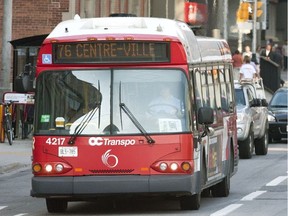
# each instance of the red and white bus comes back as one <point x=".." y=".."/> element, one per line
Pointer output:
<point x="132" y="106"/>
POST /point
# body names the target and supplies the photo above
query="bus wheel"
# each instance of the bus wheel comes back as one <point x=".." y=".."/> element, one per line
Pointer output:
<point x="190" y="202"/>
<point x="246" y="147"/>
<point x="56" y="205"/>
<point x="222" y="189"/>
<point x="261" y="145"/>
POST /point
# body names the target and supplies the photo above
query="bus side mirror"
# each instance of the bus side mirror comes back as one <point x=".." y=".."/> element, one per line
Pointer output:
<point x="205" y="115"/>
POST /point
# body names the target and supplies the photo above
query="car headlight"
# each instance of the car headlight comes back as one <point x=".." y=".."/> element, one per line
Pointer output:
<point x="271" y="118"/>
<point x="240" y="117"/>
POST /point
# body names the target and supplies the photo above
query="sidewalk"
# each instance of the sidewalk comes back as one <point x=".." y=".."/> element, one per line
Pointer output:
<point x="15" y="157"/>
<point x="284" y="76"/>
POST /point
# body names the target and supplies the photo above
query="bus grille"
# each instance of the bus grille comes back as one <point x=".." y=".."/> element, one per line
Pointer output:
<point x="112" y="171"/>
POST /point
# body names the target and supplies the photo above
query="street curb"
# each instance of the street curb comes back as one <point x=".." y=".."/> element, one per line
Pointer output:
<point x="12" y="167"/>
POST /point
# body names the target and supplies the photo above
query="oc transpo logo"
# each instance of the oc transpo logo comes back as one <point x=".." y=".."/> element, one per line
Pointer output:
<point x="110" y="160"/>
<point x="99" y="141"/>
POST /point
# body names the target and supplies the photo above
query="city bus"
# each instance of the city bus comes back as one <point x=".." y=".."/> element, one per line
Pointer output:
<point x="132" y="106"/>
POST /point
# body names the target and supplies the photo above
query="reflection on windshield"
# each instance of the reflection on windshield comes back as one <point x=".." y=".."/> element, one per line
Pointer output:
<point x="279" y="100"/>
<point x="239" y="97"/>
<point x="74" y="95"/>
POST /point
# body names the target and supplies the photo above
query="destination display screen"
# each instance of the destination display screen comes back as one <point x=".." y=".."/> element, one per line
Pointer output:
<point x="111" y="52"/>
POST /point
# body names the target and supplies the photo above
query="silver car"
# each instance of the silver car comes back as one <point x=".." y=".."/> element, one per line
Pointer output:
<point x="252" y="118"/>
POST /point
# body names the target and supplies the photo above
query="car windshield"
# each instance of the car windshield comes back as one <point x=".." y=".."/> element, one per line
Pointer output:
<point x="239" y="97"/>
<point x="93" y="100"/>
<point x="279" y="99"/>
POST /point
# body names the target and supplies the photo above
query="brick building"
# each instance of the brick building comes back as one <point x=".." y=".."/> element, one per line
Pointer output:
<point x="32" y="17"/>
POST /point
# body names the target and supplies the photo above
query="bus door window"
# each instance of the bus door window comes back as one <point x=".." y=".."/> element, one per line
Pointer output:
<point x="224" y="101"/>
<point x="204" y="87"/>
<point x="217" y="89"/>
<point x="198" y="89"/>
<point x="211" y="89"/>
<point x="228" y="81"/>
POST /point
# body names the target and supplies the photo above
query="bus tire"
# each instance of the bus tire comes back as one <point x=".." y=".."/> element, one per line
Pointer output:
<point x="190" y="202"/>
<point x="261" y="144"/>
<point x="246" y="147"/>
<point x="56" y="205"/>
<point x="222" y="189"/>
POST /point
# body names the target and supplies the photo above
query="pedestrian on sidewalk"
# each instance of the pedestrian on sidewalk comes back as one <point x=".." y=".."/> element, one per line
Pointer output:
<point x="268" y="53"/>
<point x="285" y="54"/>
<point x="247" y="70"/>
<point x="237" y="63"/>
<point x="247" y="52"/>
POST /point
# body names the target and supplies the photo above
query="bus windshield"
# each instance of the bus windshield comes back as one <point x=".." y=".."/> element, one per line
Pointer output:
<point x="157" y="100"/>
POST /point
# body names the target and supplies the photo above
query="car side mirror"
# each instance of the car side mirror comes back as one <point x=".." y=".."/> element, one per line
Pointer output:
<point x="264" y="102"/>
<point x="256" y="103"/>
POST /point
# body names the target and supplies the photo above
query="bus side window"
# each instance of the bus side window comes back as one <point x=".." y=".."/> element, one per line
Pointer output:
<point x="228" y="86"/>
<point x="198" y="90"/>
<point x="205" y="96"/>
<point x="224" y="101"/>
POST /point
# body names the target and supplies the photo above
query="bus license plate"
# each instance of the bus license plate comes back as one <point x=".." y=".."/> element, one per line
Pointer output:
<point x="68" y="151"/>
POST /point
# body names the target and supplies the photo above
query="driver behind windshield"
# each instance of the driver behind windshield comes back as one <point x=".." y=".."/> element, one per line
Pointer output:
<point x="165" y="104"/>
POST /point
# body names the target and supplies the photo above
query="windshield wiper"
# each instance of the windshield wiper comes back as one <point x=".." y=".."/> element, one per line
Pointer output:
<point x="82" y="125"/>
<point x="133" y="119"/>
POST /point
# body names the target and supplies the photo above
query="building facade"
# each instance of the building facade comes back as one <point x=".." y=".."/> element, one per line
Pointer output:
<point x="26" y="18"/>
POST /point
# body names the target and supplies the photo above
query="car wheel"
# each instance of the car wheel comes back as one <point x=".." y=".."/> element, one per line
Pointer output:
<point x="261" y="145"/>
<point x="246" y="147"/>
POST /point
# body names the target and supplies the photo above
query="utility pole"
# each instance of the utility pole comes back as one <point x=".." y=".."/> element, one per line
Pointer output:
<point x="254" y="40"/>
<point x="5" y="73"/>
<point x="225" y="15"/>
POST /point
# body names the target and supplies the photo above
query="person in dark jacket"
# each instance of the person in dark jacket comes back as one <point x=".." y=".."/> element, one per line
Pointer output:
<point x="268" y="53"/>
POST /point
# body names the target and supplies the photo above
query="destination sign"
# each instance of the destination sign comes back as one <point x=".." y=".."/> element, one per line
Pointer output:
<point x="111" y="52"/>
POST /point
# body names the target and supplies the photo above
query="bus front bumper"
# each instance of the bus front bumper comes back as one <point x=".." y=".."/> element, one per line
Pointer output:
<point x="93" y="186"/>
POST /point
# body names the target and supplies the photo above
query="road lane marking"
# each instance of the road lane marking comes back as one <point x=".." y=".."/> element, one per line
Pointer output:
<point x="226" y="210"/>
<point x="253" y="195"/>
<point x="277" y="181"/>
<point x="2" y="207"/>
<point x="21" y="214"/>
<point x="278" y="149"/>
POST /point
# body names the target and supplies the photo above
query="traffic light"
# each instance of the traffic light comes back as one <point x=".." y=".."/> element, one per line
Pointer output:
<point x="259" y="9"/>
<point x="243" y="12"/>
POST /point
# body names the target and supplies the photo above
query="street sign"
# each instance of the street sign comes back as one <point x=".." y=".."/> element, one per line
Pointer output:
<point x="19" y="98"/>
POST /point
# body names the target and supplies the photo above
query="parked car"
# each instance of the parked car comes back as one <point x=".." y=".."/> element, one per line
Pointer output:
<point x="252" y="118"/>
<point x="277" y="117"/>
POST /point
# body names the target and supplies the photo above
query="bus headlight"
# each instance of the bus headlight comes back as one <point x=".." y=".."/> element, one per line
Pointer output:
<point x="59" y="167"/>
<point x="163" y="166"/>
<point x="174" y="166"/>
<point x="184" y="167"/>
<point x="48" y="168"/>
